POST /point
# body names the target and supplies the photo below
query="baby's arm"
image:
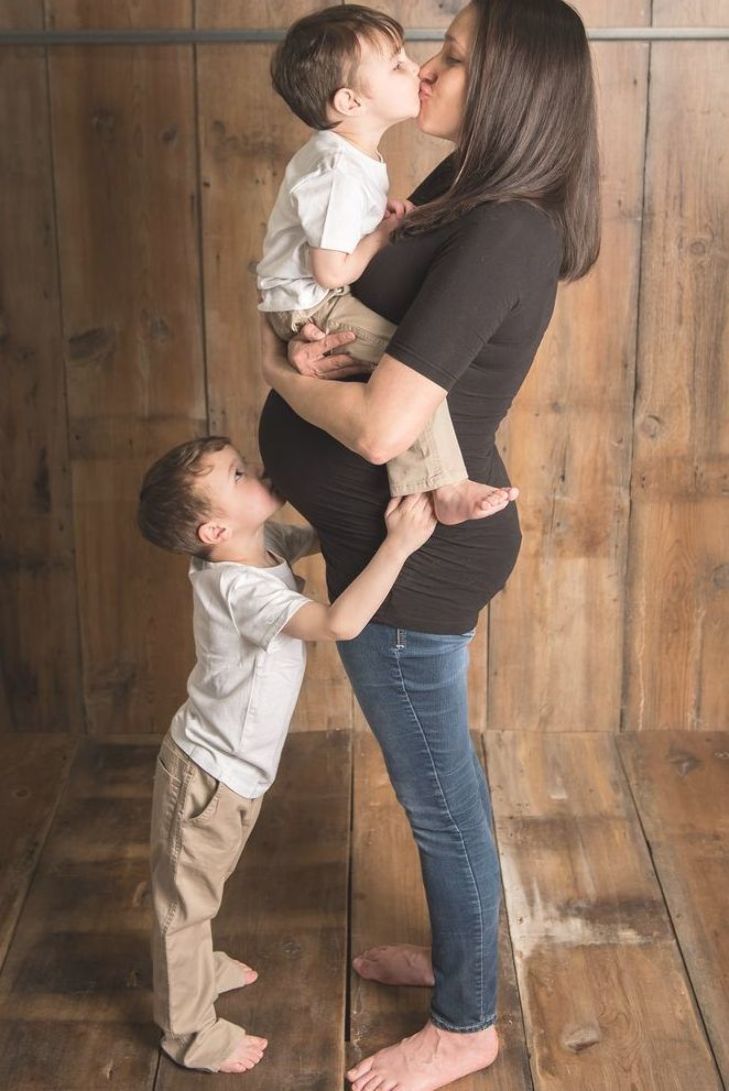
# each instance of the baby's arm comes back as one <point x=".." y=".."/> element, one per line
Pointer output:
<point x="410" y="522"/>
<point x="335" y="269"/>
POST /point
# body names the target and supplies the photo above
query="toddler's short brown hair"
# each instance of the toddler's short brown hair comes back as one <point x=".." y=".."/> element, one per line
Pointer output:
<point x="170" y="507"/>
<point x="320" y="54"/>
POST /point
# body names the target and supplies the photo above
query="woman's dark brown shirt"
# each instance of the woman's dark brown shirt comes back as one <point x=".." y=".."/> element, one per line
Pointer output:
<point x="471" y="301"/>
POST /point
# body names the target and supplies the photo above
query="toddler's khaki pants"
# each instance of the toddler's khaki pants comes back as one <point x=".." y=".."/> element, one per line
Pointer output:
<point x="435" y="457"/>
<point x="199" y="829"/>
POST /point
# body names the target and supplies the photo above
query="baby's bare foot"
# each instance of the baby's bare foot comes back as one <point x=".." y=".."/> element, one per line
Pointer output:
<point x="431" y="1059"/>
<point x="403" y="964"/>
<point x="470" y="500"/>
<point x="246" y="1054"/>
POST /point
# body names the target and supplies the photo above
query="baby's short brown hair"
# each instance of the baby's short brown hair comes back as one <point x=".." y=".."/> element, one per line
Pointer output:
<point x="320" y="54"/>
<point x="170" y="507"/>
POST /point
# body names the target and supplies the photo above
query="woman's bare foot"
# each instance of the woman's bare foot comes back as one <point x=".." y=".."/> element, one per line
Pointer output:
<point x="246" y="1054"/>
<point x="469" y="500"/>
<point x="430" y="1059"/>
<point x="403" y="964"/>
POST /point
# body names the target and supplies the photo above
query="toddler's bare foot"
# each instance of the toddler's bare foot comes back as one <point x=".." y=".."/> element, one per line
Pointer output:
<point x="469" y="500"/>
<point x="230" y="973"/>
<point x="247" y="975"/>
<point x="430" y="1059"/>
<point x="246" y="1054"/>
<point x="403" y="964"/>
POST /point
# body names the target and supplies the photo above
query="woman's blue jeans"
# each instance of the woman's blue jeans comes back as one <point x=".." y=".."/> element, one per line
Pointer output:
<point x="413" y="689"/>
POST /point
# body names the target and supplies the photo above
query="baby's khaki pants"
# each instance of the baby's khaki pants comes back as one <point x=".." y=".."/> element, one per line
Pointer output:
<point x="199" y="830"/>
<point x="435" y="457"/>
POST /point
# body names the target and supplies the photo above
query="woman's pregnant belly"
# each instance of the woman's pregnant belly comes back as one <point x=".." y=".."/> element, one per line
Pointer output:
<point x="442" y="586"/>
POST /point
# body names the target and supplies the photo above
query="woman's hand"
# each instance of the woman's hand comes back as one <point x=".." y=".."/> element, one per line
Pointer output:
<point x="273" y="353"/>
<point x="308" y="353"/>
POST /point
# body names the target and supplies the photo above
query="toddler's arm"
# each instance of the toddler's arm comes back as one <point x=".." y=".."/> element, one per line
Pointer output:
<point x="410" y="522"/>
<point x="315" y="547"/>
<point x="335" y="269"/>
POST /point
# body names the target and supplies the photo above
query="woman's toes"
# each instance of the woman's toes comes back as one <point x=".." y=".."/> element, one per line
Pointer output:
<point x="359" y="1070"/>
<point x="368" y="1083"/>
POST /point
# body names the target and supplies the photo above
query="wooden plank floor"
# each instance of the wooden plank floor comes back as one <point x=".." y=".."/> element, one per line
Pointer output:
<point x="614" y="857"/>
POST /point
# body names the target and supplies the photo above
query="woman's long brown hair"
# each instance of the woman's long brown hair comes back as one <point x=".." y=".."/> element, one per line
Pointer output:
<point x="529" y="130"/>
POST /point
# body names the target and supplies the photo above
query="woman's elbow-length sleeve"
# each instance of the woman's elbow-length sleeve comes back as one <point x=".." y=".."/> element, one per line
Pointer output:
<point x="472" y="284"/>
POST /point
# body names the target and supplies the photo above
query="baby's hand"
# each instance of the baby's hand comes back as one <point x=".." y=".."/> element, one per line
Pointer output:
<point x="395" y="213"/>
<point x="410" y="521"/>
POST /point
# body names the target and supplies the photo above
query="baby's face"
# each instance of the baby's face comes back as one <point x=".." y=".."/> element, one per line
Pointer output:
<point x="388" y="81"/>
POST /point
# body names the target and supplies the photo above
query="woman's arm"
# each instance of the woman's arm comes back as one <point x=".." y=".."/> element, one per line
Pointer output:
<point x="377" y="420"/>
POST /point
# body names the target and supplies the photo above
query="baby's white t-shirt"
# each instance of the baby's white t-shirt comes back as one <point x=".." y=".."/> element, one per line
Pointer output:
<point x="331" y="196"/>
<point x="244" y="686"/>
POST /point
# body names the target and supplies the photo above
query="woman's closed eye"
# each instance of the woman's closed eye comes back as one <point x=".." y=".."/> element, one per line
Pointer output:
<point x="239" y="473"/>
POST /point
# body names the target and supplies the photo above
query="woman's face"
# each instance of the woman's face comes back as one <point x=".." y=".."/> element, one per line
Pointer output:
<point x="444" y="78"/>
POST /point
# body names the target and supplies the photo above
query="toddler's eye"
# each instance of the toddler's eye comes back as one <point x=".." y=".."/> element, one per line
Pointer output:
<point x="239" y="473"/>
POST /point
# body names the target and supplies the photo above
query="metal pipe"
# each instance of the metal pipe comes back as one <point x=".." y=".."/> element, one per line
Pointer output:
<point x="202" y="36"/>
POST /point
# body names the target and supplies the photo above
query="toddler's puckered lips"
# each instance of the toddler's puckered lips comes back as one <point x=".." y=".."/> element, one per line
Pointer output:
<point x="424" y="92"/>
<point x="266" y="480"/>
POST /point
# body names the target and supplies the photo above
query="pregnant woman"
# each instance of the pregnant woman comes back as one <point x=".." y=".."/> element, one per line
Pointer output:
<point x="470" y="282"/>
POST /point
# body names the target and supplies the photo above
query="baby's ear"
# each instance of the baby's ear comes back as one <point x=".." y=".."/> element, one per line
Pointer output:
<point x="212" y="533"/>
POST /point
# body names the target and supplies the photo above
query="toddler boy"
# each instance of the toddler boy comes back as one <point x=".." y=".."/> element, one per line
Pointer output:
<point x="223" y="747"/>
<point x="345" y="73"/>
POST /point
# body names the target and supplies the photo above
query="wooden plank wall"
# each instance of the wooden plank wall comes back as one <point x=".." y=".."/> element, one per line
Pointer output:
<point x="679" y="555"/>
<point x="39" y="629"/>
<point x="136" y="186"/>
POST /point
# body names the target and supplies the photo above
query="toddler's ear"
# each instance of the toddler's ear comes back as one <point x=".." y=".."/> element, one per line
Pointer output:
<point x="346" y="102"/>
<point x="212" y="533"/>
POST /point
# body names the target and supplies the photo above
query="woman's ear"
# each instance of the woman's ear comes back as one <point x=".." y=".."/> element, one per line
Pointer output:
<point x="211" y="534"/>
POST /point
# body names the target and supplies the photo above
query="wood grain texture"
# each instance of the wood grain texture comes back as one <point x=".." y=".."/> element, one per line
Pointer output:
<point x="690" y="13"/>
<point x="592" y="938"/>
<point x="253" y="13"/>
<point x="21" y="14"/>
<point x="78" y="967"/>
<point x="681" y="788"/>
<point x="34" y="770"/>
<point x="39" y="641"/>
<point x="388" y="906"/>
<point x="679" y="539"/>
<point x="124" y="141"/>
<point x="605" y="13"/>
<point x="556" y="632"/>
<point x="285" y="912"/>
<point x="75" y="1008"/>
<point x="118" y="14"/>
